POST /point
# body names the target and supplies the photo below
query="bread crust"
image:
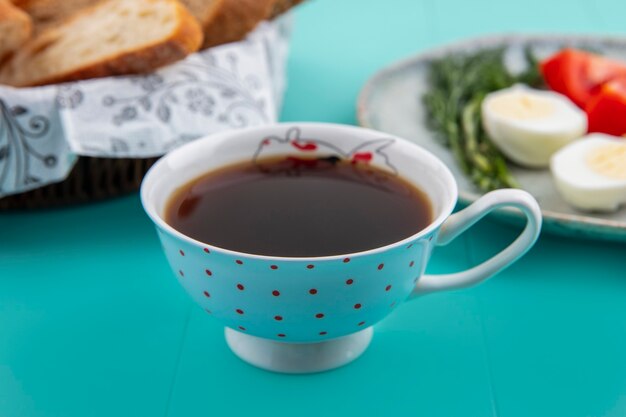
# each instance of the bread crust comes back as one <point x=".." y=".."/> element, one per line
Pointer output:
<point x="201" y="9"/>
<point x="281" y="6"/>
<point x="186" y="39"/>
<point x="231" y="20"/>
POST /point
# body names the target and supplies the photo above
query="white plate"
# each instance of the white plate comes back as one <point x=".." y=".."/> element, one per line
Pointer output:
<point x="391" y="102"/>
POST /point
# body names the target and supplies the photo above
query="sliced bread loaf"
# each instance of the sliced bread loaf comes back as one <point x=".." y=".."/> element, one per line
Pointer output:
<point x="222" y="20"/>
<point x="114" y="37"/>
<point x="15" y="28"/>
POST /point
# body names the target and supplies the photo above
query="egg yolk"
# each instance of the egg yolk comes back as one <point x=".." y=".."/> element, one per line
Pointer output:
<point x="609" y="160"/>
<point x="521" y="106"/>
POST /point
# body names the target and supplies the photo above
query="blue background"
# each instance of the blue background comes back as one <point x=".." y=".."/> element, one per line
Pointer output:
<point x="93" y="324"/>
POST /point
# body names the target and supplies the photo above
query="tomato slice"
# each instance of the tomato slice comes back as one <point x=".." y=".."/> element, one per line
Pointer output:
<point x="579" y="74"/>
<point x="607" y="108"/>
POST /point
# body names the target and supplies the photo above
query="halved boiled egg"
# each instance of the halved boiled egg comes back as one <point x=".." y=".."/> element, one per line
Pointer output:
<point x="529" y="125"/>
<point x="590" y="173"/>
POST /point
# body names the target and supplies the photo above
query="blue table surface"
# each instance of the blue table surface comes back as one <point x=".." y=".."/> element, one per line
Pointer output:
<point x="93" y="324"/>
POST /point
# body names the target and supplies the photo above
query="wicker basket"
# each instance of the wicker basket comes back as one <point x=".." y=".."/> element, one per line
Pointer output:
<point x="91" y="179"/>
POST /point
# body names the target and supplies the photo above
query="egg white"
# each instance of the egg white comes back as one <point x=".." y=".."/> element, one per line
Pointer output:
<point x="530" y="140"/>
<point x="582" y="186"/>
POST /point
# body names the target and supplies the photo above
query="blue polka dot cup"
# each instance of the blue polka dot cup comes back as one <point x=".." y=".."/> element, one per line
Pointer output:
<point x="311" y="314"/>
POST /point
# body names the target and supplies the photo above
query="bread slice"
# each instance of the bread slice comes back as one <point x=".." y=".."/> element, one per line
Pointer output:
<point x="234" y="20"/>
<point x="114" y="37"/>
<point x="231" y="20"/>
<point x="48" y="13"/>
<point x="202" y="9"/>
<point x="226" y="21"/>
<point x="15" y="28"/>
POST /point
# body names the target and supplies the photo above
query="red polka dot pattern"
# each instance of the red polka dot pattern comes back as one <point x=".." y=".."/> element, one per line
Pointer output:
<point x="312" y="291"/>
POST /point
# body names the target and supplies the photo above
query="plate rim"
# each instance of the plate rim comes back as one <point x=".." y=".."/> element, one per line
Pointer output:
<point x="465" y="196"/>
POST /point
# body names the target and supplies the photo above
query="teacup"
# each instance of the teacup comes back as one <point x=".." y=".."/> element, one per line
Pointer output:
<point x="311" y="314"/>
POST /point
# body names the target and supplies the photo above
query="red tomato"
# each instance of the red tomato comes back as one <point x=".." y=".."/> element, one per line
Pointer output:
<point x="579" y="74"/>
<point x="607" y="109"/>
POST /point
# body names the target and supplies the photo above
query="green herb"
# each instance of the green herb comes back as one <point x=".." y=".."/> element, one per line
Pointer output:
<point x="458" y="85"/>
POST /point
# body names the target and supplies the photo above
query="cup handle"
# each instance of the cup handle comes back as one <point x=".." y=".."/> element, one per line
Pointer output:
<point x="461" y="221"/>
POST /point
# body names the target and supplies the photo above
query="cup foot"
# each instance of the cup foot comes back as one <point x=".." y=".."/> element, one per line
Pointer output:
<point x="298" y="358"/>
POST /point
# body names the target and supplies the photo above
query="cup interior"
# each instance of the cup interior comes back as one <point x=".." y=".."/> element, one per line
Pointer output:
<point x="192" y="160"/>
